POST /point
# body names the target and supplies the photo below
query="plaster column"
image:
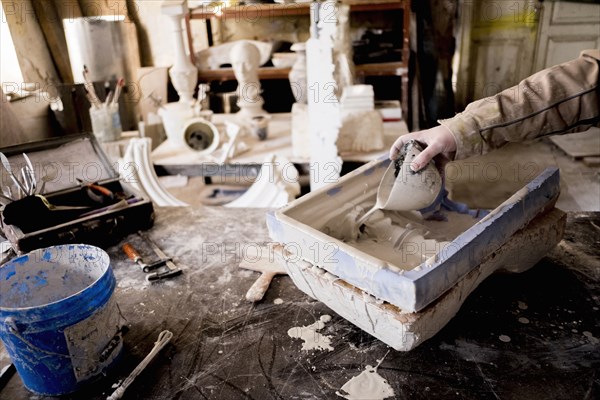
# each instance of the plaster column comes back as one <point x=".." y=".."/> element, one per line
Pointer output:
<point x="183" y="73"/>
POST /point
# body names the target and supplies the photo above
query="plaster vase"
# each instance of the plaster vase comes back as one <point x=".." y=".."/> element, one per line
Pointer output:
<point x="297" y="75"/>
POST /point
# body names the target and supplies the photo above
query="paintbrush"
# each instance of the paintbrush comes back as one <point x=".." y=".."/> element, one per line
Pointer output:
<point x="120" y="84"/>
<point x="89" y="86"/>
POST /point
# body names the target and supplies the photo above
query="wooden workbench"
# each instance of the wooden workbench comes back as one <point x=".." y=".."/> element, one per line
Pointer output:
<point x="226" y="348"/>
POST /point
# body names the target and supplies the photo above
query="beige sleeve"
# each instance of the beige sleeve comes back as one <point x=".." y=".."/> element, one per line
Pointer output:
<point x="564" y="98"/>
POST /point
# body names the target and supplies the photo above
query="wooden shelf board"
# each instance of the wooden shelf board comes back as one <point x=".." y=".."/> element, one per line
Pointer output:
<point x="260" y="10"/>
<point x="264" y="73"/>
<point x="396" y="68"/>
<point x="227" y="74"/>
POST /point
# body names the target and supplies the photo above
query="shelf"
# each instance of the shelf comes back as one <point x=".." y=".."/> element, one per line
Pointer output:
<point x="262" y="10"/>
<point x="396" y="68"/>
<point x="376" y="69"/>
<point x="223" y="74"/>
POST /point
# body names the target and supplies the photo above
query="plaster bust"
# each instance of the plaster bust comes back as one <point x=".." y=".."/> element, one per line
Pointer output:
<point x="245" y="61"/>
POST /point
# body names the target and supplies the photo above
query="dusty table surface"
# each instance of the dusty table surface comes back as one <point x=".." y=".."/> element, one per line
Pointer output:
<point x="226" y="348"/>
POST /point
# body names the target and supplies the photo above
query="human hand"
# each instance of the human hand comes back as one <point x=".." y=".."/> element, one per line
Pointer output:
<point x="439" y="141"/>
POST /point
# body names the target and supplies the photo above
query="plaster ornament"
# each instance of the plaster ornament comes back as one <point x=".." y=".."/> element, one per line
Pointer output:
<point x="361" y="131"/>
<point x="297" y="75"/>
<point x="276" y="185"/>
<point x="323" y="108"/>
<point x="216" y="56"/>
<point x="245" y="61"/>
<point x="138" y="167"/>
<point x="184" y="74"/>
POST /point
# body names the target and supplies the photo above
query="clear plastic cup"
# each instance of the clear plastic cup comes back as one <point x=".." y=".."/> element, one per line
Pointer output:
<point x="106" y="123"/>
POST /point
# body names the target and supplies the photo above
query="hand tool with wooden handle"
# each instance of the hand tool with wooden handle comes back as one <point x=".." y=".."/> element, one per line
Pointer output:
<point x="134" y="256"/>
<point x="268" y="270"/>
<point x="171" y="268"/>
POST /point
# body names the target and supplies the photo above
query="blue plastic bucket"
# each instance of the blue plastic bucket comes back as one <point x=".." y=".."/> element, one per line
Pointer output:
<point x="58" y="319"/>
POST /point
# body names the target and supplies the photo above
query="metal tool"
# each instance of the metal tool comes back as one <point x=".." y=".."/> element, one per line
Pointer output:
<point x="48" y="177"/>
<point x="30" y="172"/>
<point x="170" y="269"/>
<point x="12" y="175"/>
<point x="134" y="256"/>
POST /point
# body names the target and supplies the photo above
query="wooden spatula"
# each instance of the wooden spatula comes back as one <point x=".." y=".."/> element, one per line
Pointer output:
<point x="268" y="270"/>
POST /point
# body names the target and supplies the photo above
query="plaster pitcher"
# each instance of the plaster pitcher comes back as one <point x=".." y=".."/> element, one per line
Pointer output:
<point x="402" y="189"/>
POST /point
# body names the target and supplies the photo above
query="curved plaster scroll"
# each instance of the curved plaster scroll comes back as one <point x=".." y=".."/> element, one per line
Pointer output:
<point x="141" y="174"/>
<point x="277" y="185"/>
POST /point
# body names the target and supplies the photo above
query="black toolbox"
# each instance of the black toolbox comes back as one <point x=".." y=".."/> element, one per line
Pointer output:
<point x="84" y="199"/>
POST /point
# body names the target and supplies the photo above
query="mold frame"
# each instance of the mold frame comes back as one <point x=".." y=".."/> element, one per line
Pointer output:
<point x="409" y="290"/>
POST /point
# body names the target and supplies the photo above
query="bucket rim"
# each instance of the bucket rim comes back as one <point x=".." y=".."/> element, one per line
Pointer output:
<point x="49" y="304"/>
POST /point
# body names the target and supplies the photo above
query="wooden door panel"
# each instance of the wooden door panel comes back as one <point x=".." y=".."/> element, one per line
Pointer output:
<point x="566" y="29"/>
<point x="497" y="46"/>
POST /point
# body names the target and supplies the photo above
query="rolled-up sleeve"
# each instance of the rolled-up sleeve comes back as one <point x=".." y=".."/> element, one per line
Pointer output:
<point x="561" y="99"/>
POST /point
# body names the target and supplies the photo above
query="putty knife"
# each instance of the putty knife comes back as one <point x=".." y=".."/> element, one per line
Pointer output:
<point x="268" y="270"/>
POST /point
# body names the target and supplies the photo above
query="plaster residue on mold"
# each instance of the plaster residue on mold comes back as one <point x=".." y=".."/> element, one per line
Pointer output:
<point x="402" y="239"/>
<point x="368" y="385"/>
<point x="313" y="340"/>
<point x="278" y="301"/>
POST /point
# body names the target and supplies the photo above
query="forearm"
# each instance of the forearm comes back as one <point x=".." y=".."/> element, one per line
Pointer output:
<point x="561" y="99"/>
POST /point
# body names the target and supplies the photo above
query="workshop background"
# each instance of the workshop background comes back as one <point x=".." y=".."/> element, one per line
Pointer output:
<point x="206" y="191"/>
<point x="458" y="52"/>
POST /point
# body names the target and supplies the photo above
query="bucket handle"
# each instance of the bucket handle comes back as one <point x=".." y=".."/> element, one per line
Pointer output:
<point x="104" y="355"/>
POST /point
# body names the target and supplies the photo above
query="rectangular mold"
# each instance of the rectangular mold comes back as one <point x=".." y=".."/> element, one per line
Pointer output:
<point x="299" y="228"/>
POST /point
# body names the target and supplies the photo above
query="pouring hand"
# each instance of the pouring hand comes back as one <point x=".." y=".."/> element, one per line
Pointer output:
<point x="439" y="141"/>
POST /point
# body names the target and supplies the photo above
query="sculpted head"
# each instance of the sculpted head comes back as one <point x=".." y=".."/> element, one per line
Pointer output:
<point x="245" y="61"/>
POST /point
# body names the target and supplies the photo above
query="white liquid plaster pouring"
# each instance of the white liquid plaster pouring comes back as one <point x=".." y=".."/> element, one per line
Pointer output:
<point x="300" y="228"/>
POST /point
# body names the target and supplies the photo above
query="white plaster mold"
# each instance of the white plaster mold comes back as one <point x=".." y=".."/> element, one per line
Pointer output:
<point x="316" y="229"/>
<point x="400" y="328"/>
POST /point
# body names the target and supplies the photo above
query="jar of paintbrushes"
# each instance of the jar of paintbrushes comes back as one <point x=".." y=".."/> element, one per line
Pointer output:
<point x="104" y="116"/>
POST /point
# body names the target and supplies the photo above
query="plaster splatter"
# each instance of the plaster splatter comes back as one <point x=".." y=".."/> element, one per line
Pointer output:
<point x="277" y="301"/>
<point x="504" y="338"/>
<point x="367" y="385"/>
<point x="523" y="306"/>
<point x="591" y="337"/>
<point x="313" y="340"/>
<point x="523" y="320"/>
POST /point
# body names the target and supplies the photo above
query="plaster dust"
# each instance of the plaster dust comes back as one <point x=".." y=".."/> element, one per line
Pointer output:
<point x="368" y="385"/>
<point x="313" y="340"/>
<point x="504" y="338"/>
<point x="402" y="239"/>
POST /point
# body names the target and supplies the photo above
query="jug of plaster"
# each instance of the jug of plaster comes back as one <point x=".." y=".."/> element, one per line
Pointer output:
<point x="402" y="189"/>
